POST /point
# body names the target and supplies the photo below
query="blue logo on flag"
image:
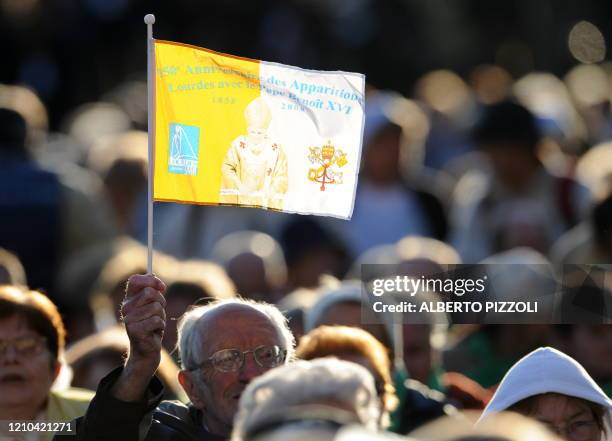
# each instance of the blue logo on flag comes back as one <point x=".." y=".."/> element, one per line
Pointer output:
<point x="184" y="143"/>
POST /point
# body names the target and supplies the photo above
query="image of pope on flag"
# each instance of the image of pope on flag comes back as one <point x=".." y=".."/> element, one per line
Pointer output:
<point x="236" y="131"/>
<point x="254" y="170"/>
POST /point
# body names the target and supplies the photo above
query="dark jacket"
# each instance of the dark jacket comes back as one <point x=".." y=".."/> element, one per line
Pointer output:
<point x="419" y="405"/>
<point x="110" y="419"/>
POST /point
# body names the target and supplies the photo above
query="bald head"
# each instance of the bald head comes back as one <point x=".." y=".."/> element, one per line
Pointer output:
<point x="233" y="322"/>
<point x="229" y="309"/>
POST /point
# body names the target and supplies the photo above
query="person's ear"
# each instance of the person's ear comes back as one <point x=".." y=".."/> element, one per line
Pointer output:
<point x="190" y="386"/>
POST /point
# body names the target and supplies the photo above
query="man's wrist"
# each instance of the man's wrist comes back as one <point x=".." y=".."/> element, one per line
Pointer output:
<point x="142" y="366"/>
<point x="132" y="384"/>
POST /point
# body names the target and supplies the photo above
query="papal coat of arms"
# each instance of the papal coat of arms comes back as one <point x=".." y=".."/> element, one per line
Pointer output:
<point x="327" y="159"/>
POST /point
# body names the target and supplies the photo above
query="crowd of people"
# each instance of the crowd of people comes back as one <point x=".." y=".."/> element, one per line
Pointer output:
<point x="244" y="379"/>
<point x="252" y="327"/>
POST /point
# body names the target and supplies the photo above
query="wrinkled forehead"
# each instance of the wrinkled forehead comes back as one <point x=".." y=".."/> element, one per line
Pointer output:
<point x="236" y="326"/>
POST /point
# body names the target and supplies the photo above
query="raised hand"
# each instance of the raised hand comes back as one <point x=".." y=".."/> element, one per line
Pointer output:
<point x="144" y="315"/>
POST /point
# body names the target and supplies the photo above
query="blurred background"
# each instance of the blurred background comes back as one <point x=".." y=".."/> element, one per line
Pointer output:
<point x="72" y="52"/>
<point x="487" y="139"/>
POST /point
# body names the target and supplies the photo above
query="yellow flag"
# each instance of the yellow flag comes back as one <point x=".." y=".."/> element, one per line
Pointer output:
<point x="235" y="131"/>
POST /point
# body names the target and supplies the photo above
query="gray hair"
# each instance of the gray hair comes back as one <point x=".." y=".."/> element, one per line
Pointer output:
<point x="190" y="340"/>
<point x="307" y="383"/>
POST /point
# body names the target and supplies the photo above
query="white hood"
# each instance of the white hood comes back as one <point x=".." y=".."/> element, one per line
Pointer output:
<point x="548" y="370"/>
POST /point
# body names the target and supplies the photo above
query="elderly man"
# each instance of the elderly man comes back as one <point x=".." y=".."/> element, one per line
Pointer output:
<point x="222" y="345"/>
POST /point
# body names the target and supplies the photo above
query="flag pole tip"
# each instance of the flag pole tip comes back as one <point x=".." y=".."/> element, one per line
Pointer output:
<point x="149" y="19"/>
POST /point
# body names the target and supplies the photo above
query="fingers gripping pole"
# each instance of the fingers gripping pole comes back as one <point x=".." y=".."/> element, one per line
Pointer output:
<point x="149" y="20"/>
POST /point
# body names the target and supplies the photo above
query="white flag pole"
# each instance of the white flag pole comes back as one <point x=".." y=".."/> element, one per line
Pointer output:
<point x="149" y="20"/>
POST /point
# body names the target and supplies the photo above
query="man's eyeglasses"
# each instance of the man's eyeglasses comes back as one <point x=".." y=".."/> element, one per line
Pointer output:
<point x="231" y="360"/>
<point x="24" y="346"/>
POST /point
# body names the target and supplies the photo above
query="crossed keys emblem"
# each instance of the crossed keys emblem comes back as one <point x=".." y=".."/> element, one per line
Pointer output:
<point x="326" y="158"/>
